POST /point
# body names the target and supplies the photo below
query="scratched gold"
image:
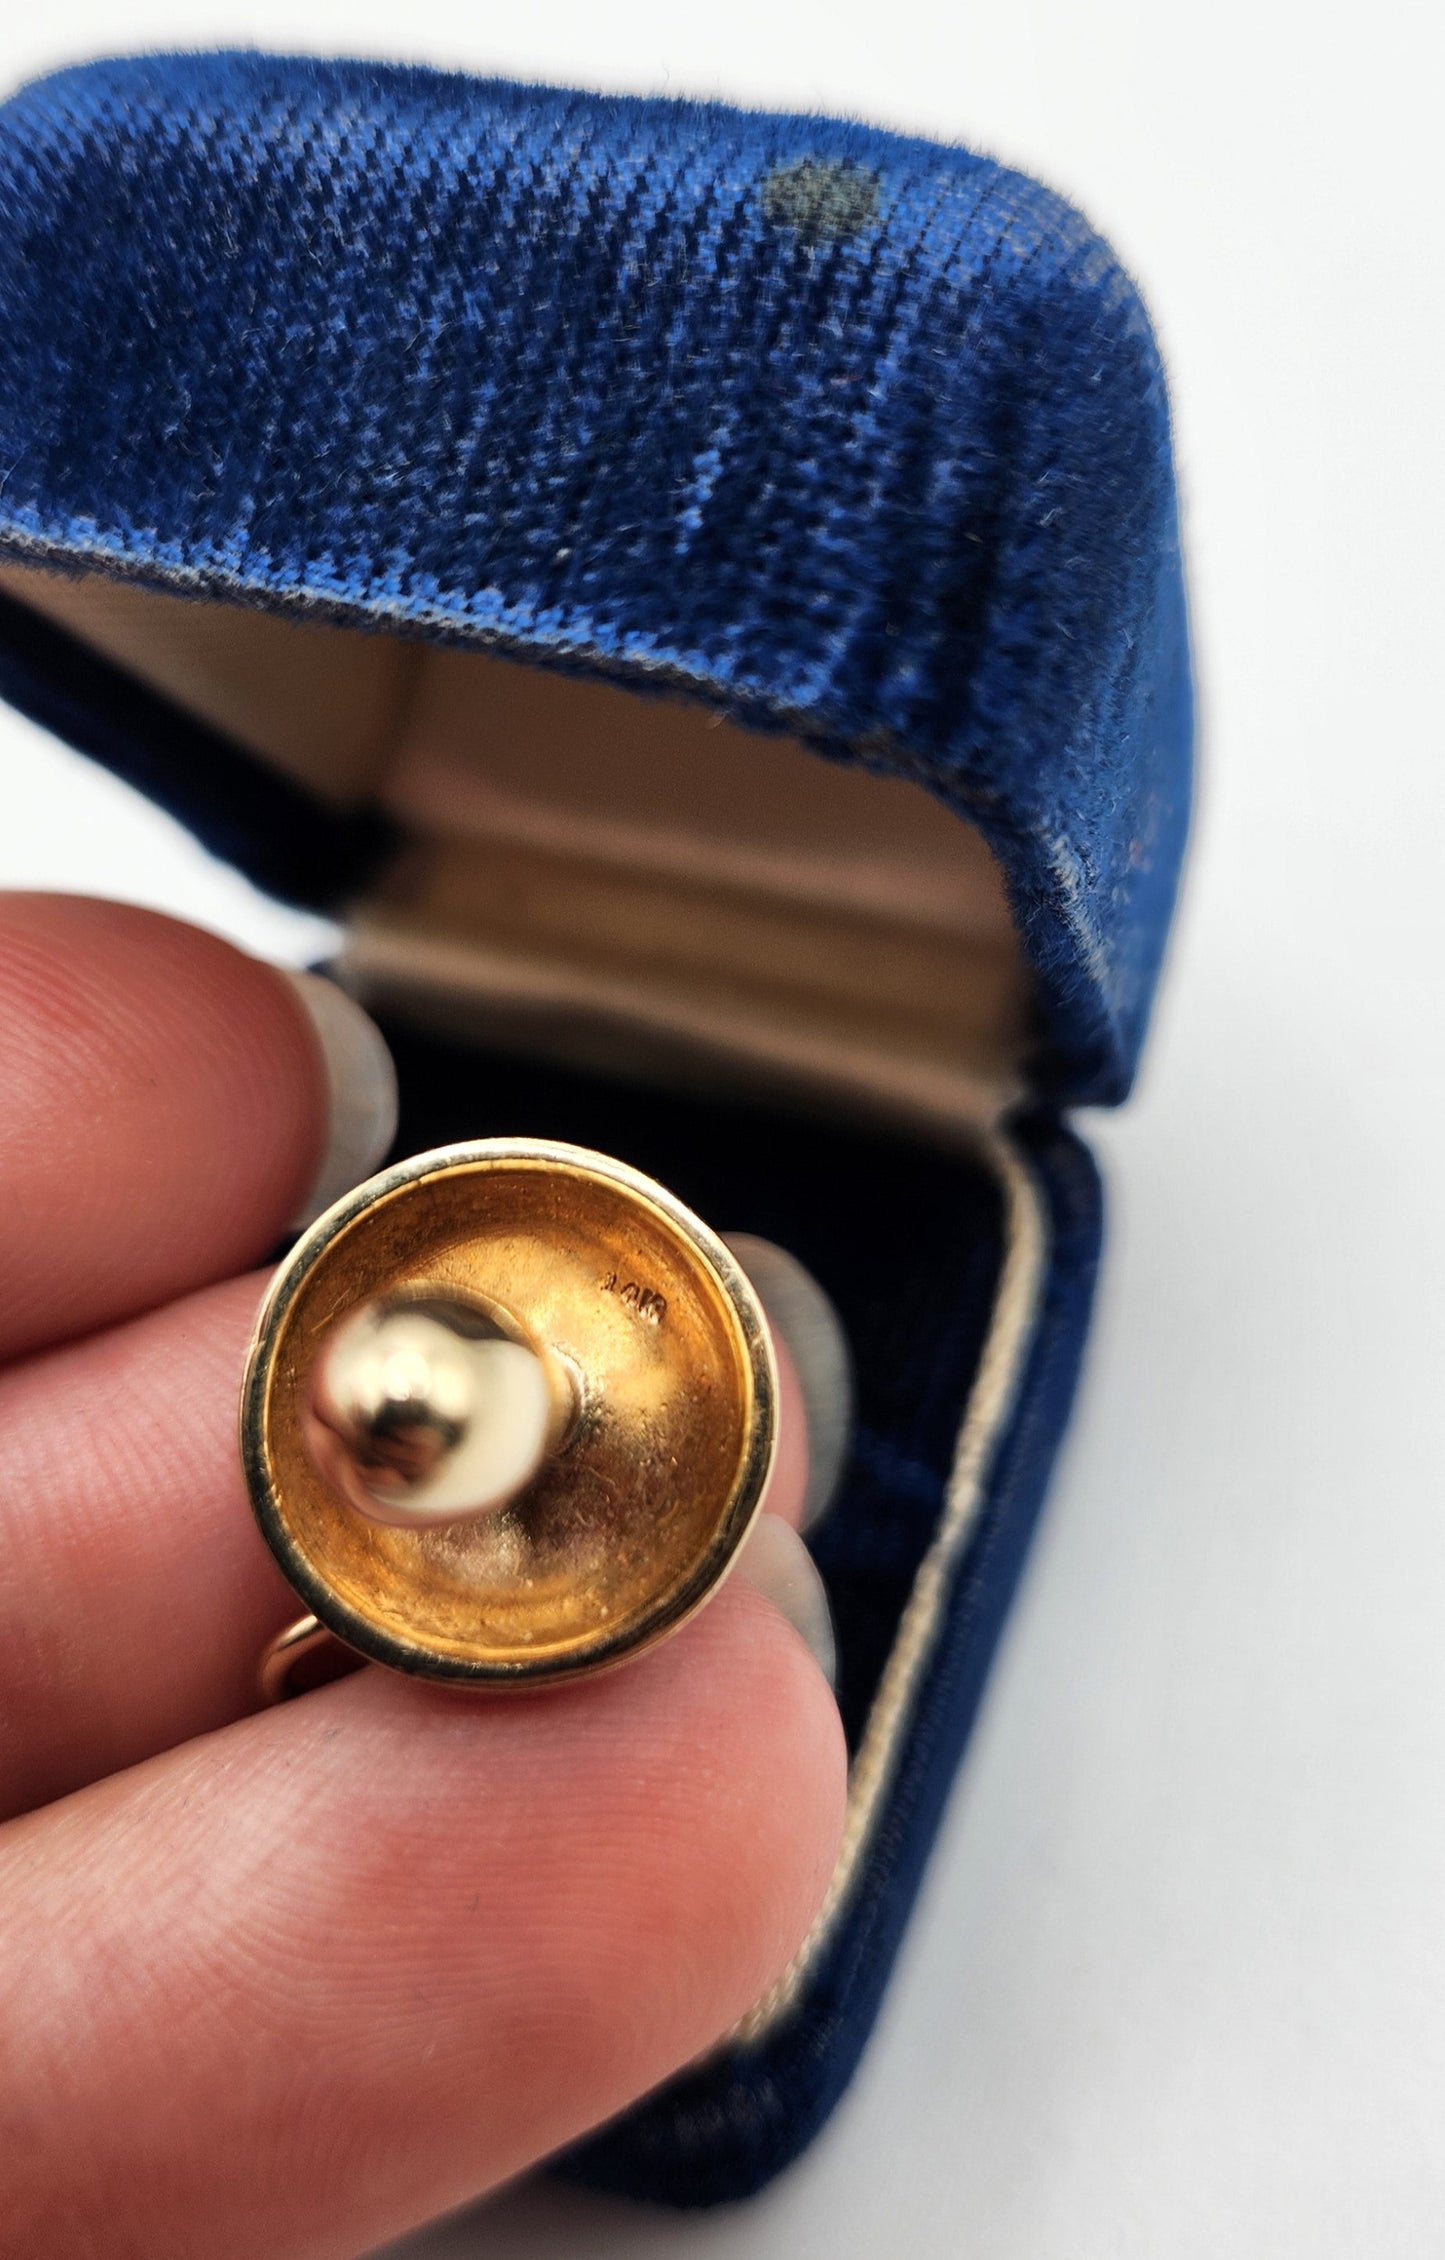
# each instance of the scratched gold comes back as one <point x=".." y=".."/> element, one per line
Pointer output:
<point x="635" y="1522"/>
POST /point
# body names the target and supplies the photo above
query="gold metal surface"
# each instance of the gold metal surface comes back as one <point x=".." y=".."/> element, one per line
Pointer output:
<point x="634" y="1522"/>
<point x="279" y="1658"/>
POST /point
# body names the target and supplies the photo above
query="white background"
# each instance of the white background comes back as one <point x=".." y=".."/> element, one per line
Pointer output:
<point x="1177" y="1982"/>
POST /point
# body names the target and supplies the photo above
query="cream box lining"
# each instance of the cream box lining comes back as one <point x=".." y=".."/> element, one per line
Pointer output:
<point x="630" y="880"/>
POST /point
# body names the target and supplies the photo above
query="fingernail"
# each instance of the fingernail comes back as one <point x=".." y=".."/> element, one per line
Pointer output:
<point x="361" y="1092"/>
<point x="799" y="1311"/>
<point x="775" y="1560"/>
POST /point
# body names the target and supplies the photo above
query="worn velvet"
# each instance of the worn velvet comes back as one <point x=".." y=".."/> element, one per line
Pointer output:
<point x="849" y="435"/>
<point x="856" y="436"/>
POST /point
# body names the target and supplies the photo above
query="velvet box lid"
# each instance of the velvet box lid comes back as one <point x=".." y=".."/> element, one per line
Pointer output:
<point x="855" y="444"/>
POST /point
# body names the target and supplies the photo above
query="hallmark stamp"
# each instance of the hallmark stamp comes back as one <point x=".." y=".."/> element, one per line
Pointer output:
<point x="646" y="1301"/>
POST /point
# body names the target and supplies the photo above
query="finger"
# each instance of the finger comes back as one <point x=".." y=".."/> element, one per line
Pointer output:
<point x="312" y="1980"/>
<point x="777" y="1562"/>
<point x="169" y="1105"/>
<point x="815" y="1370"/>
<point x="787" y="1483"/>
<point x="137" y="1593"/>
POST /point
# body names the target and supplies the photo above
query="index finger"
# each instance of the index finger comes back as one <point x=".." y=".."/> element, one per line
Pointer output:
<point x="166" y="1109"/>
<point x="291" y="1989"/>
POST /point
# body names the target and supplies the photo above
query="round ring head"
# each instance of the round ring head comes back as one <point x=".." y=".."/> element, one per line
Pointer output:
<point x="391" y="1444"/>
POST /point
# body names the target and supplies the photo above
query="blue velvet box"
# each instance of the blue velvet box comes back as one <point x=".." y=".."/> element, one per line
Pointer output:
<point x="699" y="594"/>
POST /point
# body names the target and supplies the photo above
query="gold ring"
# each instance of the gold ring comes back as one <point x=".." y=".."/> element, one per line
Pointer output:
<point x="508" y="1417"/>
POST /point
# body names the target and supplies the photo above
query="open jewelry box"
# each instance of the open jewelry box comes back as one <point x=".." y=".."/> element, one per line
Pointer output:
<point x="699" y="594"/>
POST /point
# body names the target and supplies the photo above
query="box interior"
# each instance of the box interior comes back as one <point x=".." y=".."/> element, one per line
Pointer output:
<point x="595" y="872"/>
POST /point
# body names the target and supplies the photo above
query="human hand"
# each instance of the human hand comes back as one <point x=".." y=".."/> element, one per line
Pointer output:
<point x="277" y="1986"/>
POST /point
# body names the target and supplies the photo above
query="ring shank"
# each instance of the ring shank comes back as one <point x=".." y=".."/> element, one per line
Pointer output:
<point x="292" y="1647"/>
